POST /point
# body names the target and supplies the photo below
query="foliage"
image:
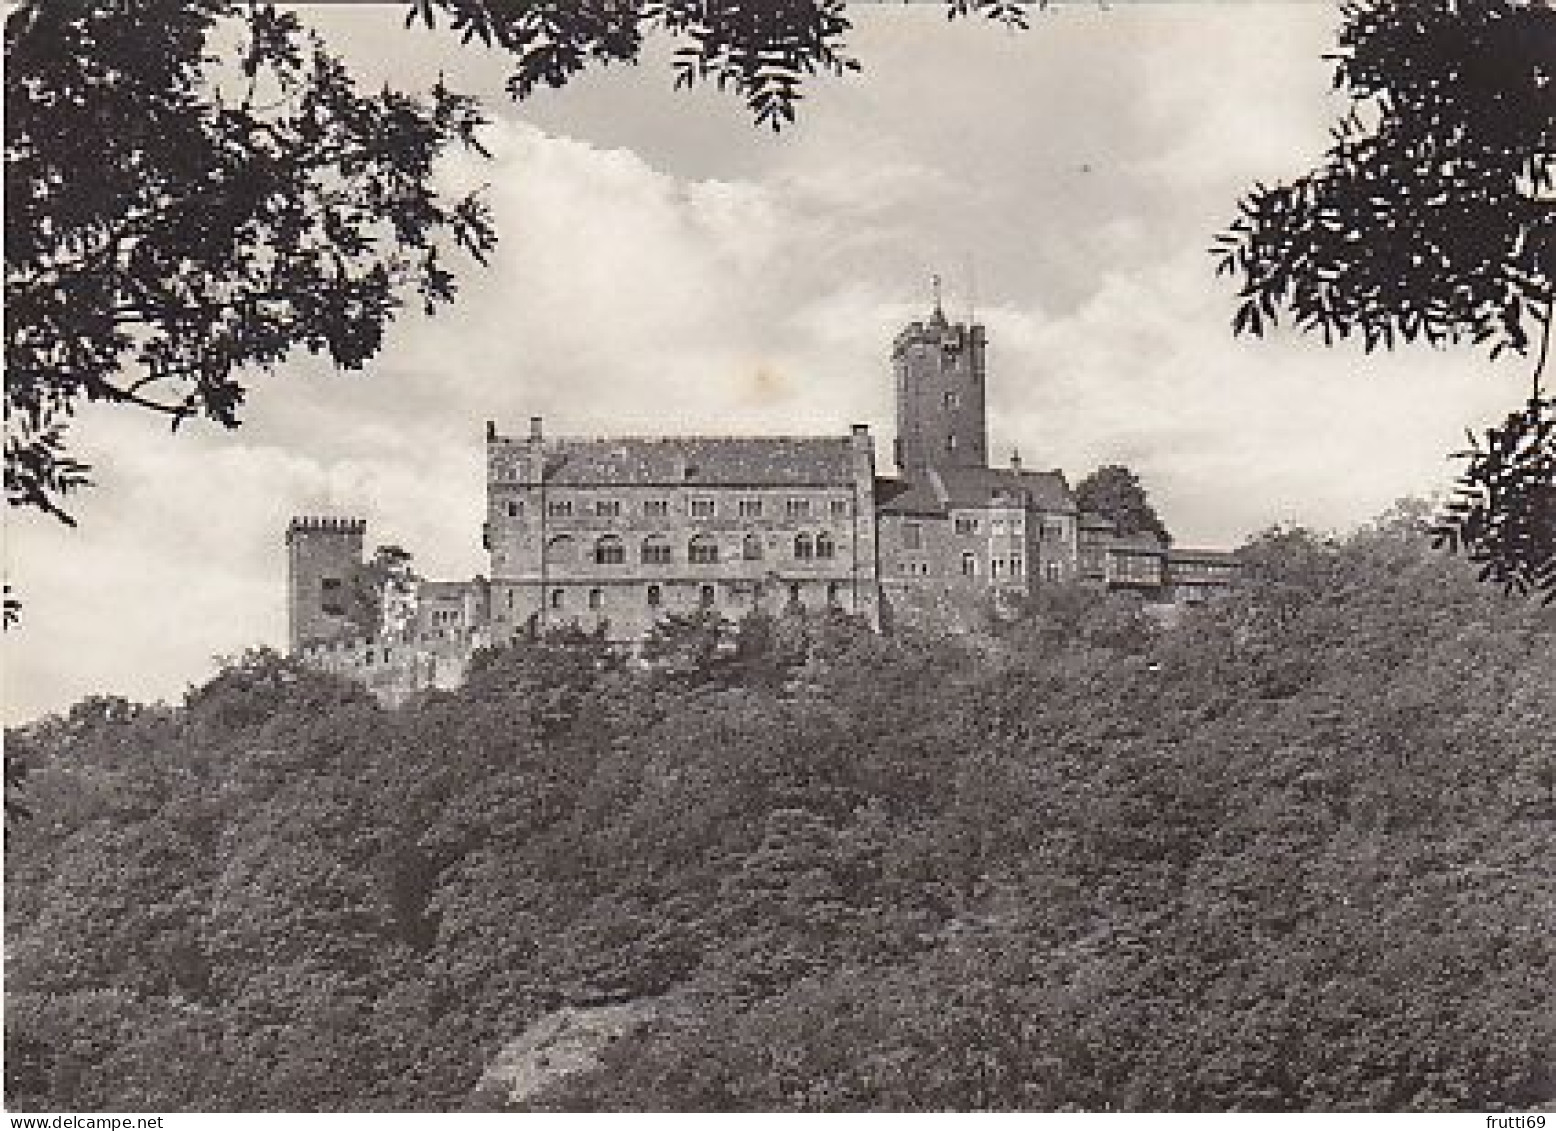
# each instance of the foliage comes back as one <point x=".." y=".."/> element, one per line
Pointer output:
<point x="1432" y="217"/>
<point x="197" y="189"/>
<point x="1504" y="514"/>
<point x="760" y="52"/>
<point x="1117" y="493"/>
<point x="179" y="212"/>
<point x="1290" y="852"/>
<point x="382" y="594"/>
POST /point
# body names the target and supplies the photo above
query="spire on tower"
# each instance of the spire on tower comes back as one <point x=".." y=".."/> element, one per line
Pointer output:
<point x="939" y="316"/>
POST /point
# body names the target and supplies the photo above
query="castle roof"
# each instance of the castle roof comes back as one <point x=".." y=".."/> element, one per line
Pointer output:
<point x="1208" y="557"/>
<point x="755" y="461"/>
<point x="1140" y="542"/>
<point x="942" y="489"/>
<point x="981" y="486"/>
<point x="907" y="496"/>
<point x="444" y="590"/>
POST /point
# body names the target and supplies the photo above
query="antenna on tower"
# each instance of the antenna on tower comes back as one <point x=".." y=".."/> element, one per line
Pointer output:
<point x="934" y="283"/>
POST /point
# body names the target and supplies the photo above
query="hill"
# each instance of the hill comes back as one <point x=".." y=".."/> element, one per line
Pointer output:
<point x="1291" y="852"/>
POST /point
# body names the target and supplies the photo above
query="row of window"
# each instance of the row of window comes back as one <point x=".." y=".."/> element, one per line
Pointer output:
<point x="998" y="568"/>
<point x="967" y="525"/>
<point x="654" y="596"/>
<point x="702" y="507"/>
<point x="610" y="549"/>
<point x="1047" y="531"/>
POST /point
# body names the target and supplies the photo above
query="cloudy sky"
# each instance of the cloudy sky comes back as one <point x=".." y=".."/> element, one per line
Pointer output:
<point x="666" y="267"/>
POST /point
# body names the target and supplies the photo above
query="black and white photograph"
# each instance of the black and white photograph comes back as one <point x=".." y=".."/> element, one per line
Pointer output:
<point x="779" y="556"/>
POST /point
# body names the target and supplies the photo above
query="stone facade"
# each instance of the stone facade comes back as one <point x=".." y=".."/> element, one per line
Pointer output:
<point x="623" y="531"/>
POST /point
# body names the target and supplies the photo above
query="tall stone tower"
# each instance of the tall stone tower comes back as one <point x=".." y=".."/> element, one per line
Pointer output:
<point x="941" y="416"/>
<point x="321" y="554"/>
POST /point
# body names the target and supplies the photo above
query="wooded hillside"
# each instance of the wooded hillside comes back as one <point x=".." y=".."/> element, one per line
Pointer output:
<point x="1294" y="852"/>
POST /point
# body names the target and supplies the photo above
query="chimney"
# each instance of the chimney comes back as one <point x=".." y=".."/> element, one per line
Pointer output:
<point x="1015" y="460"/>
<point x="491" y="431"/>
<point x="534" y="428"/>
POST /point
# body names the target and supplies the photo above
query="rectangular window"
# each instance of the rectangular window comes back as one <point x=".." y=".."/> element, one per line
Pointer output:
<point x="839" y="508"/>
<point x="560" y="508"/>
<point x="702" y="508"/>
<point x="1053" y="531"/>
<point x="969" y="565"/>
<point x="515" y="508"/>
<point x="996" y="567"/>
<point x="1054" y="571"/>
<point x="656" y="508"/>
<point x="607" y="508"/>
<point x="332" y="596"/>
<point x="798" y="508"/>
<point x="912" y="536"/>
<point x="1015" y="567"/>
<point x="967" y="526"/>
<point x="750" y="508"/>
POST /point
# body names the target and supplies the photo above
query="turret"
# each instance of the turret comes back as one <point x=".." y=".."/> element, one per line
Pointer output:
<point x="941" y="415"/>
<point x="321" y="556"/>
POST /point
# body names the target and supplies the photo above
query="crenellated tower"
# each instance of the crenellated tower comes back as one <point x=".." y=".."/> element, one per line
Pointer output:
<point x="321" y="556"/>
<point x="941" y="414"/>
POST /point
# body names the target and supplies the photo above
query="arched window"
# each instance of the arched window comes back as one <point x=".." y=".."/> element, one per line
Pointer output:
<point x="655" y="597"/>
<point x="702" y="550"/>
<point x="560" y="549"/>
<point x="596" y="598"/>
<point x="803" y="547"/>
<point x="558" y="596"/>
<point x="969" y="565"/>
<point x="656" y="550"/>
<point x="609" y="550"/>
<point x="751" y="548"/>
<point x="825" y="547"/>
<point x="707" y="596"/>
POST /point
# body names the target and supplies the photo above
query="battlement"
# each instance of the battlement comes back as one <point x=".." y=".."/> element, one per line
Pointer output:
<point x="325" y="525"/>
<point x="938" y="332"/>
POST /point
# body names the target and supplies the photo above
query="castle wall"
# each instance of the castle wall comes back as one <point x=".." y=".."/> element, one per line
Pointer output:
<point x="393" y="672"/>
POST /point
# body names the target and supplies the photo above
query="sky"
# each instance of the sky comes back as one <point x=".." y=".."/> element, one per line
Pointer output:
<point x="666" y="267"/>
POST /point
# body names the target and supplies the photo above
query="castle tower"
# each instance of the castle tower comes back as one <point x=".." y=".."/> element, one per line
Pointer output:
<point x="321" y="555"/>
<point x="941" y="415"/>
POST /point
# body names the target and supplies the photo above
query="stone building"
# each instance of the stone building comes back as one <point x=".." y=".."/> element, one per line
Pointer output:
<point x="626" y="530"/>
<point x="622" y="531"/>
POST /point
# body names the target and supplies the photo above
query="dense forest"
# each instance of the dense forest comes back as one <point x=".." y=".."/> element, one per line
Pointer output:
<point x="1292" y="850"/>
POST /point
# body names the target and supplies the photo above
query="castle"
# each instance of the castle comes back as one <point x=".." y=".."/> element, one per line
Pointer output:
<point x="626" y="530"/>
